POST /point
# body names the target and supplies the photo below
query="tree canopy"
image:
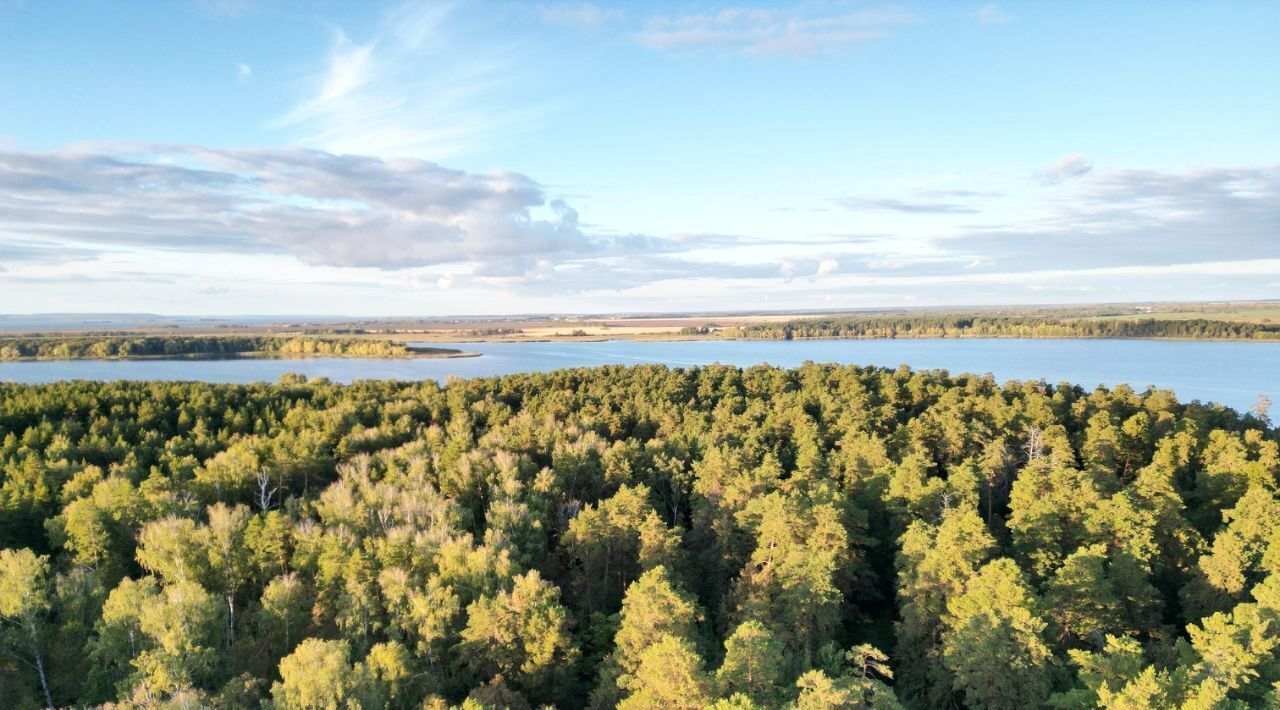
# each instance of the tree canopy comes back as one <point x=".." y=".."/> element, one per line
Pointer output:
<point x="994" y="326"/>
<point x="639" y="537"/>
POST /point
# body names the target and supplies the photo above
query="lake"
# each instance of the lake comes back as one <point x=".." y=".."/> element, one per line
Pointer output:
<point x="1233" y="373"/>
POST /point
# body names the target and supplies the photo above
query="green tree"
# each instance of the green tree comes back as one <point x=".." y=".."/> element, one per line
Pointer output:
<point x="993" y="644"/>
<point x="1048" y="507"/>
<point x="97" y="529"/>
<point x="819" y="691"/>
<point x="318" y="675"/>
<point x="386" y="674"/>
<point x="24" y="602"/>
<point x="753" y="665"/>
<point x="668" y="674"/>
<point x="1238" y="652"/>
<point x="228" y="556"/>
<point x="1081" y="598"/>
<point x="284" y="614"/>
<point x="170" y="547"/>
<point x="523" y="635"/>
<point x="1241" y="555"/>
<point x="184" y="625"/>
<point x="802" y="559"/>
<point x="653" y="608"/>
<point x="611" y="544"/>
<point x="1111" y="668"/>
<point x="1233" y="463"/>
<point x="119" y="638"/>
<point x="934" y="565"/>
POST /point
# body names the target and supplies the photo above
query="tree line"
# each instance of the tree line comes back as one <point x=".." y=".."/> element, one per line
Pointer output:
<point x="160" y="346"/>
<point x="993" y="327"/>
<point x="636" y="537"/>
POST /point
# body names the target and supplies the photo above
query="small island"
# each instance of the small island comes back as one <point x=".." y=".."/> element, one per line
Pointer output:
<point x="174" y="347"/>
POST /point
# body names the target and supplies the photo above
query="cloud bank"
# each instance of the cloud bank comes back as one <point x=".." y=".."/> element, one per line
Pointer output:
<point x="106" y="211"/>
<point x="325" y="209"/>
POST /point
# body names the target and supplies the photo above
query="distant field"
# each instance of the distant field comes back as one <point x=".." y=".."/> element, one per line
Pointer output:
<point x="569" y="327"/>
<point x="1242" y="315"/>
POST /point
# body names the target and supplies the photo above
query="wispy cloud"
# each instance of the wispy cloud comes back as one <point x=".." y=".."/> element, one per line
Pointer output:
<point x="414" y="88"/>
<point x="991" y="14"/>
<point x="803" y="31"/>
<point x="887" y="204"/>
<point x="1068" y="167"/>
<point x="1139" y="217"/>
<point x="244" y="70"/>
<point x="14" y="251"/>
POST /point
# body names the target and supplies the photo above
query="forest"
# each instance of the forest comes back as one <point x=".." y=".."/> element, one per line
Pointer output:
<point x="170" y="346"/>
<point x="636" y="537"/>
<point x="994" y="326"/>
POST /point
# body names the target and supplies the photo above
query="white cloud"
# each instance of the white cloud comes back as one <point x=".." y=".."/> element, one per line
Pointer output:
<point x="102" y="213"/>
<point x="323" y="208"/>
<point x="244" y="70"/>
<point x="1068" y="167"/>
<point x="1136" y="217"/>
<point x="990" y="14"/>
<point x="1235" y="268"/>
<point x="417" y="87"/>
<point x="800" y="32"/>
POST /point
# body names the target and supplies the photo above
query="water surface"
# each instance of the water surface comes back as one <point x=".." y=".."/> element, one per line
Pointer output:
<point x="1233" y="373"/>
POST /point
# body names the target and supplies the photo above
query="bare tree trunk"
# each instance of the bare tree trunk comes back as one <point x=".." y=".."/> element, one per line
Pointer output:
<point x="44" y="682"/>
<point x="231" y="619"/>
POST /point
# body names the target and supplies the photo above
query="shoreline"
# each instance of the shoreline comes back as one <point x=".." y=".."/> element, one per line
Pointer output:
<point x="665" y="338"/>
<point x="421" y="345"/>
<point x="413" y="354"/>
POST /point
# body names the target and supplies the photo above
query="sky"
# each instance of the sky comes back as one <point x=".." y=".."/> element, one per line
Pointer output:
<point x="432" y="158"/>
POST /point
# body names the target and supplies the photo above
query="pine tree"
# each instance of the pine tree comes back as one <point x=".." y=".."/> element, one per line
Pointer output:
<point x="992" y="642"/>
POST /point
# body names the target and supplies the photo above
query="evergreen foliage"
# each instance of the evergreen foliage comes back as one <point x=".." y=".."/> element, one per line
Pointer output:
<point x="643" y="537"/>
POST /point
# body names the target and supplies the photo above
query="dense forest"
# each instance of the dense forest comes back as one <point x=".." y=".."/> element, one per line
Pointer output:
<point x="170" y="346"/>
<point x="644" y="537"/>
<point x="908" y="326"/>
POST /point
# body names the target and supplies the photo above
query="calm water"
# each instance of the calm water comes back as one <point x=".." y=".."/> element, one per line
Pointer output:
<point x="1228" y="372"/>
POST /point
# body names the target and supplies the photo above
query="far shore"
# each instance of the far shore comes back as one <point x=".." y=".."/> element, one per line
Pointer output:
<point x="652" y="327"/>
<point x="683" y="338"/>
<point x="414" y="353"/>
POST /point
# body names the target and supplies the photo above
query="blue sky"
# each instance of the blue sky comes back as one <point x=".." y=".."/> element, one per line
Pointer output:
<point x="232" y="156"/>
